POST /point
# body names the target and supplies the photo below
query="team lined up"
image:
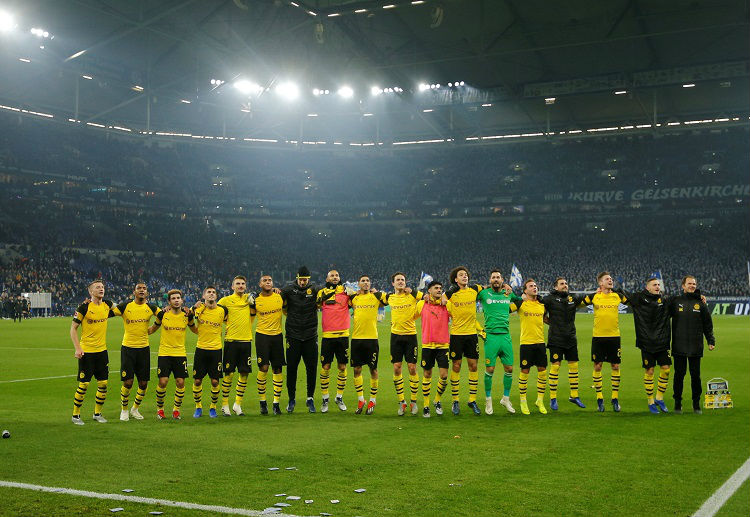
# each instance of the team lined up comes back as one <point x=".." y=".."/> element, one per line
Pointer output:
<point x="449" y="327"/>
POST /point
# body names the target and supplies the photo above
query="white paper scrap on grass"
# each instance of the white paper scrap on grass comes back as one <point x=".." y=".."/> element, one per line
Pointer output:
<point x="335" y="501"/>
<point x="293" y="498"/>
<point x="271" y="509"/>
<point x="281" y="505"/>
<point x="279" y="495"/>
<point x="291" y="468"/>
<point x="115" y="510"/>
<point x="156" y="513"/>
<point x="360" y="490"/>
<point x="273" y="468"/>
<point x="308" y="501"/>
<point x="127" y="490"/>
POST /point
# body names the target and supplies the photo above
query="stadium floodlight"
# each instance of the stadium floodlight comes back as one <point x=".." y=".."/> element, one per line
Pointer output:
<point x="316" y="92"/>
<point x="247" y="87"/>
<point x="423" y="87"/>
<point x="427" y="111"/>
<point x="7" y="22"/>
<point x="358" y="11"/>
<point x="185" y="101"/>
<point x="24" y="60"/>
<point x="333" y="15"/>
<point x="550" y="100"/>
<point x="461" y="83"/>
<point x="389" y="6"/>
<point x="417" y="2"/>
<point x="87" y="77"/>
<point x="287" y="90"/>
<point x="375" y="91"/>
<point x="346" y="92"/>
<point x="621" y="92"/>
<point x="688" y="85"/>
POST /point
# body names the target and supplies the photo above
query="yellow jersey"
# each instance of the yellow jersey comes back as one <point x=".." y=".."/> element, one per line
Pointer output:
<point x="463" y="309"/>
<point x="239" y="322"/>
<point x="606" y="313"/>
<point x="365" y="317"/>
<point x="172" y="338"/>
<point x="269" y="310"/>
<point x="92" y="318"/>
<point x="136" y="318"/>
<point x="209" y="326"/>
<point x="403" y="311"/>
<point x="531" y="314"/>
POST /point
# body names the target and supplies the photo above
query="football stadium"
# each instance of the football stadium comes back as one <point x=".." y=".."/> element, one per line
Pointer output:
<point x="374" y="258"/>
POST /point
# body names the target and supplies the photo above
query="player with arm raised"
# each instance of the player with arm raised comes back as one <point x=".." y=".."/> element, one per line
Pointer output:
<point x="334" y="305"/>
<point x="560" y="306"/>
<point x="91" y="349"/>
<point x="605" y="343"/>
<point x="496" y="300"/>
<point x="237" y="345"/>
<point x="135" y="354"/>
<point x="172" y="359"/>
<point x="435" y="344"/>
<point x="404" y="345"/>
<point x="268" y="307"/>
<point x="365" y="347"/>
<point x="532" y="351"/>
<point x="209" y="318"/>
<point x="464" y="341"/>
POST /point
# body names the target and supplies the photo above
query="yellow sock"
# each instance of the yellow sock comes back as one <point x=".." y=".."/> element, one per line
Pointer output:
<point x="414" y="386"/>
<point x="648" y="383"/>
<point x="198" y="396"/>
<point x="455" y="380"/>
<point x="160" y="394"/>
<point x="373" y="389"/>
<point x="541" y="385"/>
<point x="615" y="384"/>
<point x="426" y="388"/>
<point x="523" y="382"/>
<point x="124" y="397"/>
<point x="663" y="381"/>
<point x="140" y="394"/>
<point x="101" y="396"/>
<point x="226" y="386"/>
<point x="359" y="386"/>
<point x="473" y="385"/>
<point x="214" y="396"/>
<point x="598" y="384"/>
<point x="179" y="394"/>
<point x="442" y="385"/>
<point x="325" y="376"/>
<point x="554" y="376"/>
<point x="260" y="381"/>
<point x="573" y="378"/>
<point x="398" y="382"/>
<point x="241" y="387"/>
<point x="278" y="383"/>
<point x="78" y="397"/>
<point x="341" y="383"/>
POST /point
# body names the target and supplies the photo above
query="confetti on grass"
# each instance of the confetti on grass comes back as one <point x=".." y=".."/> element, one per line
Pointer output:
<point x="360" y="490"/>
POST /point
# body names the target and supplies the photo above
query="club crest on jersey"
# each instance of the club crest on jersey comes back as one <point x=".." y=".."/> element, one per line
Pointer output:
<point x="309" y="291"/>
<point x="696" y="306"/>
<point x="570" y="298"/>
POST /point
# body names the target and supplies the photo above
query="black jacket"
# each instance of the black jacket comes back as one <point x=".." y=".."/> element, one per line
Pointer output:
<point x="302" y="311"/>
<point x="691" y="320"/>
<point x="651" y="318"/>
<point x="561" y="310"/>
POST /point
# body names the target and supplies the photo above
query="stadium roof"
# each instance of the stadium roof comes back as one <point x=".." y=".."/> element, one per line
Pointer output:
<point x="150" y="63"/>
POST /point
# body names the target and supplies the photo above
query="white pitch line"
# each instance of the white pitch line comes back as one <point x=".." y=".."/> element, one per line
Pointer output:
<point x="33" y="348"/>
<point x="55" y="377"/>
<point x="136" y="499"/>
<point x="725" y="491"/>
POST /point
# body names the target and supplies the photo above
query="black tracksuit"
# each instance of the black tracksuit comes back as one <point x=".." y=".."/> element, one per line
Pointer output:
<point x="691" y="321"/>
<point x="301" y="334"/>
<point x="561" y="310"/>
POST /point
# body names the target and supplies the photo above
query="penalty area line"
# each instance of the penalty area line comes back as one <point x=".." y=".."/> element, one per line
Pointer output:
<point x="725" y="491"/>
<point x="137" y="499"/>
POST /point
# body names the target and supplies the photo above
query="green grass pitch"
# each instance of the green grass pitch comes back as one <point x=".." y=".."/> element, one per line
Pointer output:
<point x="574" y="462"/>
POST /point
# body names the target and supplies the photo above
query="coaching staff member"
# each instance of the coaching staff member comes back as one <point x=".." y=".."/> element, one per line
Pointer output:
<point x="691" y="321"/>
<point x="301" y="335"/>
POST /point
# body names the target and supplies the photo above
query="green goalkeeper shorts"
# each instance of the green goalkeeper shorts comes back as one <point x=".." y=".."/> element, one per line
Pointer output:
<point x="498" y="345"/>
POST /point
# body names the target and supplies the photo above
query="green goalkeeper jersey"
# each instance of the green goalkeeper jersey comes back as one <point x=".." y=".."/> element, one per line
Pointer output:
<point x="496" y="308"/>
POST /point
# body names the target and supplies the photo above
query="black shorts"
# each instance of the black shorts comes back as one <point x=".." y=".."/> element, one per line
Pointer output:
<point x="135" y="362"/>
<point x="334" y="346"/>
<point x="430" y="356"/>
<point x="532" y="355"/>
<point x="464" y="346"/>
<point x="207" y="362"/>
<point x="404" y="348"/>
<point x="167" y="364"/>
<point x="270" y="350"/>
<point x="238" y="356"/>
<point x="606" y="350"/>
<point x="557" y="354"/>
<point x="650" y="359"/>
<point x="365" y="352"/>
<point x="93" y="363"/>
